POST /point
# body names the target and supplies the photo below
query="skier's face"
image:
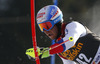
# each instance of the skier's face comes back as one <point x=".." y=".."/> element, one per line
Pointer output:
<point x="52" y="34"/>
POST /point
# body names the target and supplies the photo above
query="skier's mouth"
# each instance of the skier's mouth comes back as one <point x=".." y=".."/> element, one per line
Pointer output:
<point x="50" y="35"/>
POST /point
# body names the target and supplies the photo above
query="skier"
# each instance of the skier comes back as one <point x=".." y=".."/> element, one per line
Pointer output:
<point x="74" y="41"/>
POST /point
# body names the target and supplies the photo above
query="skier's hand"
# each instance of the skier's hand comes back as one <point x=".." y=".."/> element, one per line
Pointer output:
<point x="45" y="53"/>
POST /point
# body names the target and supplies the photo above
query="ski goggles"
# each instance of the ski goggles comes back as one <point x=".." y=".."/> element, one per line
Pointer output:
<point x="48" y="25"/>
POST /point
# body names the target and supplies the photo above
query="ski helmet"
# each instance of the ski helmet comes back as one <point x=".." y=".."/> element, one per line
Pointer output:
<point x="48" y="16"/>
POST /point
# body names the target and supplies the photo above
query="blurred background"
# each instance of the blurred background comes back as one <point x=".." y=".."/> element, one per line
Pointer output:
<point x="15" y="26"/>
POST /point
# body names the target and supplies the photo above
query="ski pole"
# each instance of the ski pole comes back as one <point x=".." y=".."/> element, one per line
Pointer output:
<point x="70" y="39"/>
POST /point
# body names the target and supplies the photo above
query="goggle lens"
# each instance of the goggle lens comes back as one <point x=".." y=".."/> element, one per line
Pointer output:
<point x="45" y="25"/>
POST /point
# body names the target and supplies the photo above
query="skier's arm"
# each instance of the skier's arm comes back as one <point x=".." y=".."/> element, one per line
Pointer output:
<point x="73" y="29"/>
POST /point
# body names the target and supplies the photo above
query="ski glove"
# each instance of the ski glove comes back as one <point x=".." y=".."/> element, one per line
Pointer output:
<point x="42" y="52"/>
<point x="45" y="53"/>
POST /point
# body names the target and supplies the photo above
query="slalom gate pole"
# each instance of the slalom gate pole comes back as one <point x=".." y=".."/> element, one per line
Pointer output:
<point x="55" y="2"/>
<point x="33" y="31"/>
<point x="53" y="41"/>
<point x="53" y="56"/>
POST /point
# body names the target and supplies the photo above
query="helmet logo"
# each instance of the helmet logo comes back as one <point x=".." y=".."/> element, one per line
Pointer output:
<point x="40" y="15"/>
<point x="57" y="20"/>
<point x="55" y="14"/>
<point x="52" y="12"/>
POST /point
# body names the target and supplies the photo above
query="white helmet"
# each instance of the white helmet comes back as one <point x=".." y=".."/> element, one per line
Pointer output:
<point x="49" y="13"/>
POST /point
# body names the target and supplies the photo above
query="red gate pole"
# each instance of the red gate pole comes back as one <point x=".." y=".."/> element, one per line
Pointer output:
<point x="33" y="31"/>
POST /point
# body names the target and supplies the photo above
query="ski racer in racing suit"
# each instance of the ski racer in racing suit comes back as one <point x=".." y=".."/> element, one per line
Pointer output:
<point x="74" y="41"/>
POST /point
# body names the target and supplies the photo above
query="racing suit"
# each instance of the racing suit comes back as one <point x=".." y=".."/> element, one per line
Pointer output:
<point x="84" y="49"/>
